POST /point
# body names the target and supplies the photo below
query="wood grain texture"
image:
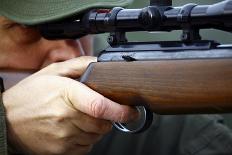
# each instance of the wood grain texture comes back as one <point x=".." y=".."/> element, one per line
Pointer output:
<point x="167" y="87"/>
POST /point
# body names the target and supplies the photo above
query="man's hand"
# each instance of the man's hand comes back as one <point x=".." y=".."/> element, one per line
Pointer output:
<point x="49" y="113"/>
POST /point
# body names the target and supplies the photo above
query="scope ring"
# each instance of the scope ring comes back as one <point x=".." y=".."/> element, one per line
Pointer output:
<point x="185" y="13"/>
<point x="148" y="115"/>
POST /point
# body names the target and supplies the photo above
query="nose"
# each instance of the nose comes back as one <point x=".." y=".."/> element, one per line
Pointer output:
<point x="62" y="50"/>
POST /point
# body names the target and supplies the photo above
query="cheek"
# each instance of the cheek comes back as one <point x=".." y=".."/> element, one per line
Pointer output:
<point x="24" y="56"/>
<point x="34" y="55"/>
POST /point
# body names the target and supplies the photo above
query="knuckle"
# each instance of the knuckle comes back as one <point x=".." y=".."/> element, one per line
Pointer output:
<point x="53" y="66"/>
<point x="62" y="134"/>
<point x="61" y="115"/>
<point x="98" y="107"/>
<point x="101" y="127"/>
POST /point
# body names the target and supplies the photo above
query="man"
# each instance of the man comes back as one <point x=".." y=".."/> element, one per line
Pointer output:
<point x="49" y="113"/>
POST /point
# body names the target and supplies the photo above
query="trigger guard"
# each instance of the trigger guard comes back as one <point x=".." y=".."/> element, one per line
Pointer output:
<point x="145" y="124"/>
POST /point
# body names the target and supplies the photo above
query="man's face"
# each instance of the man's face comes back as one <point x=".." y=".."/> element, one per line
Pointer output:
<point x="23" y="47"/>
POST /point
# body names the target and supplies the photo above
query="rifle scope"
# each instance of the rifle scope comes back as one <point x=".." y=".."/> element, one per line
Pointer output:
<point x="151" y="18"/>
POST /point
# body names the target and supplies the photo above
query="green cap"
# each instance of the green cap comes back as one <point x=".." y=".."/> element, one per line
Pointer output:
<point x="32" y="12"/>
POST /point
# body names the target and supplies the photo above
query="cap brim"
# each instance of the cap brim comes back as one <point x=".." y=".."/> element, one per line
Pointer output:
<point x="33" y="12"/>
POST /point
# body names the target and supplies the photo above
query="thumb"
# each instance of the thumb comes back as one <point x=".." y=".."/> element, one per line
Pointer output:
<point x="94" y="104"/>
<point x="71" y="68"/>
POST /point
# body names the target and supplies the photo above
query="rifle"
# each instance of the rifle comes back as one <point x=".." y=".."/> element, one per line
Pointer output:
<point x="189" y="76"/>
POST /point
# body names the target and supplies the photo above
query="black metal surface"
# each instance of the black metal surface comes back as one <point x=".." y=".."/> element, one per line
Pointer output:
<point x="166" y="51"/>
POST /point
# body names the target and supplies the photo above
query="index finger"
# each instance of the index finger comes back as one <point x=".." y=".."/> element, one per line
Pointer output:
<point x="70" y="68"/>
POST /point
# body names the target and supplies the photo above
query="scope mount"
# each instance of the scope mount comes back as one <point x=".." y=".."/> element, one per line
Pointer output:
<point x="189" y="33"/>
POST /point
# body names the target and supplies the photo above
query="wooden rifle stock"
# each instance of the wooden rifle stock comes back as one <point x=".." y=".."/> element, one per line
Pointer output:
<point x="166" y="86"/>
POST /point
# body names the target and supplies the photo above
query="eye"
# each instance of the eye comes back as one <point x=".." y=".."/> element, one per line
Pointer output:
<point x="23" y="34"/>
